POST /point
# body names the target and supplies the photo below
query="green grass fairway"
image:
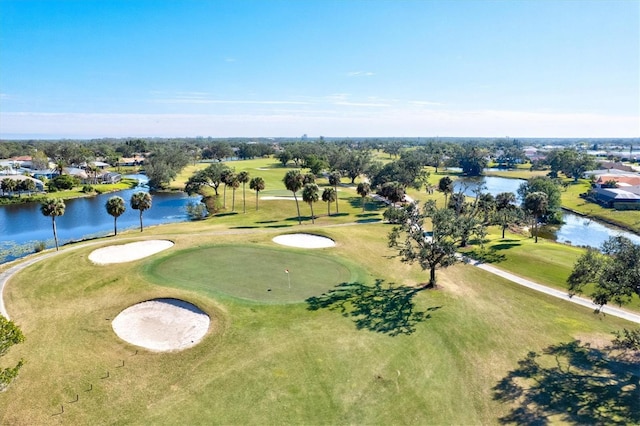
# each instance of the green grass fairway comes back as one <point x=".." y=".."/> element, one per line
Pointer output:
<point x="376" y="351"/>
<point x="252" y="272"/>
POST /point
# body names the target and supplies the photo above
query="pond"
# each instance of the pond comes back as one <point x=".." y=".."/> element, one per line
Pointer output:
<point x="23" y="225"/>
<point x="576" y="230"/>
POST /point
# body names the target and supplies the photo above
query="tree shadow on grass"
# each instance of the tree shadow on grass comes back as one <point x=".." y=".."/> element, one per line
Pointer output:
<point x="381" y="308"/>
<point x="486" y="255"/>
<point x="578" y="383"/>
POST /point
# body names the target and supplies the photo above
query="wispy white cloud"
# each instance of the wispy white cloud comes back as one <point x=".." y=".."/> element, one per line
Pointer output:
<point x="360" y="73"/>
<point x="425" y="103"/>
<point x="362" y="104"/>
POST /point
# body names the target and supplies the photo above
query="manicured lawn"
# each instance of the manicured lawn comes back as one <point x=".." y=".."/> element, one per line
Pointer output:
<point x="253" y="273"/>
<point x="375" y="351"/>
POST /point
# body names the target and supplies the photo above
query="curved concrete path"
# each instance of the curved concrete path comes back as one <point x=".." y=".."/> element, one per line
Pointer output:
<point x="608" y="310"/>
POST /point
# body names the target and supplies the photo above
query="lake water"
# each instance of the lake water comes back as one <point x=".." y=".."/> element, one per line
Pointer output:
<point x="23" y="225"/>
<point x="576" y="230"/>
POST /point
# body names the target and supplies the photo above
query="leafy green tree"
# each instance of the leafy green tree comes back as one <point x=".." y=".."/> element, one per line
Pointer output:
<point x="212" y="176"/>
<point x="392" y="191"/>
<point x="284" y="157"/>
<point x="243" y="178"/>
<point x="505" y="208"/>
<point x="614" y="271"/>
<point x="363" y="189"/>
<point x="549" y="187"/>
<point x="315" y="164"/>
<point x="141" y="201"/>
<point x="473" y="160"/>
<point x="63" y="182"/>
<point x="445" y="185"/>
<point x="293" y="181"/>
<point x="115" y="207"/>
<point x="536" y="205"/>
<point x="257" y="184"/>
<point x="27" y="185"/>
<point x="329" y="196"/>
<point x="334" y="180"/>
<point x="163" y="165"/>
<point x="53" y="207"/>
<point x="438" y="249"/>
<point x="310" y="195"/>
<point x="10" y="335"/>
<point x="356" y="163"/>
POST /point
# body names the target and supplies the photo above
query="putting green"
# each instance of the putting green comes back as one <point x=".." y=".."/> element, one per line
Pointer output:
<point x="252" y="272"/>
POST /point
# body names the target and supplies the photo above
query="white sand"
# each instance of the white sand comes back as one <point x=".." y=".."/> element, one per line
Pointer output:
<point x="304" y="241"/>
<point x="162" y="325"/>
<point x="128" y="252"/>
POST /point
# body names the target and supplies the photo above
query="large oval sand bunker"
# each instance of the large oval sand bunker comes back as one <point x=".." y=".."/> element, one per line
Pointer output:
<point x="162" y="325"/>
<point x="304" y="241"/>
<point x="128" y="252"/>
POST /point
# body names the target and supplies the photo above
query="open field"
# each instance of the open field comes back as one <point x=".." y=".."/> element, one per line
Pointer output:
<point x="373" y="351"/>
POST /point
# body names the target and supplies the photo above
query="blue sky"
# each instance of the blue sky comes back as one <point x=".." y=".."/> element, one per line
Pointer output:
<point x="94" y="68"/>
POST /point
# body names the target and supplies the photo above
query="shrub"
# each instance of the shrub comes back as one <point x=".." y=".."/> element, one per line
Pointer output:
<point x="87" y="189"/>
<point x="196" y="211"/>
<point x="39" y="246"/>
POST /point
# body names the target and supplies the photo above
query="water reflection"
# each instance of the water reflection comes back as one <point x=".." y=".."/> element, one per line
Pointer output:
<point x="576" y="230"/>
<point x="22" y="225"/>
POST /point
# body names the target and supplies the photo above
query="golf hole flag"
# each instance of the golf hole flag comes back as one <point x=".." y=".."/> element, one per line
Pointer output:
<point x="286" y="271"/>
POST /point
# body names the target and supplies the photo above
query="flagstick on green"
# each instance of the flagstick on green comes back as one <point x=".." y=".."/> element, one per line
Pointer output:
<point x="286" y="271"/>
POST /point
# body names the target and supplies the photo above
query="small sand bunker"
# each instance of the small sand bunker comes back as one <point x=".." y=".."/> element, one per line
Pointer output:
<point x="128" y="252"/>
<point x="162" y="325"/>
<point x="304" y="241"/>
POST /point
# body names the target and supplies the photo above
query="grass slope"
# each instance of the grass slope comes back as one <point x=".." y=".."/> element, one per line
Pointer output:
<point x="376" y="351"/>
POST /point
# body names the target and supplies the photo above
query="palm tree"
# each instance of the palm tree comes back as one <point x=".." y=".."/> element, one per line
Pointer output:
<point x="141" y="201"/>
<point x="329" y="196"/>
<point x="243" y="177"/>
<point x="363" y="190"/>
<point x="445" y="185"/>
<point x="235" y="183"/>
<point x="8" y="185"/>
<point x="52" y="207"/>
<point x="59" y="167"/>
<point x="226" y="176"/>
<point x="505" y="203"/>
<point x="334" y="180"/>
<point x="27" y="185"/>
<point x="293" y="182"/>
<point x="257" y="184"/>
<point x="115" y="207"/>
<point x="310" y="195"/>
<point x="536" y="204"/>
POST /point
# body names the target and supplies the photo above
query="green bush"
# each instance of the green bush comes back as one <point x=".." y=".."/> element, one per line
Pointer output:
<point x="39" y="246"/>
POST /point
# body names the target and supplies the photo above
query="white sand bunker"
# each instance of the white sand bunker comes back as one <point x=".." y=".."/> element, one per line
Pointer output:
<point x="128" y="252"/>
<point x="304" y="241"/>
<point x="162" y="325"/>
